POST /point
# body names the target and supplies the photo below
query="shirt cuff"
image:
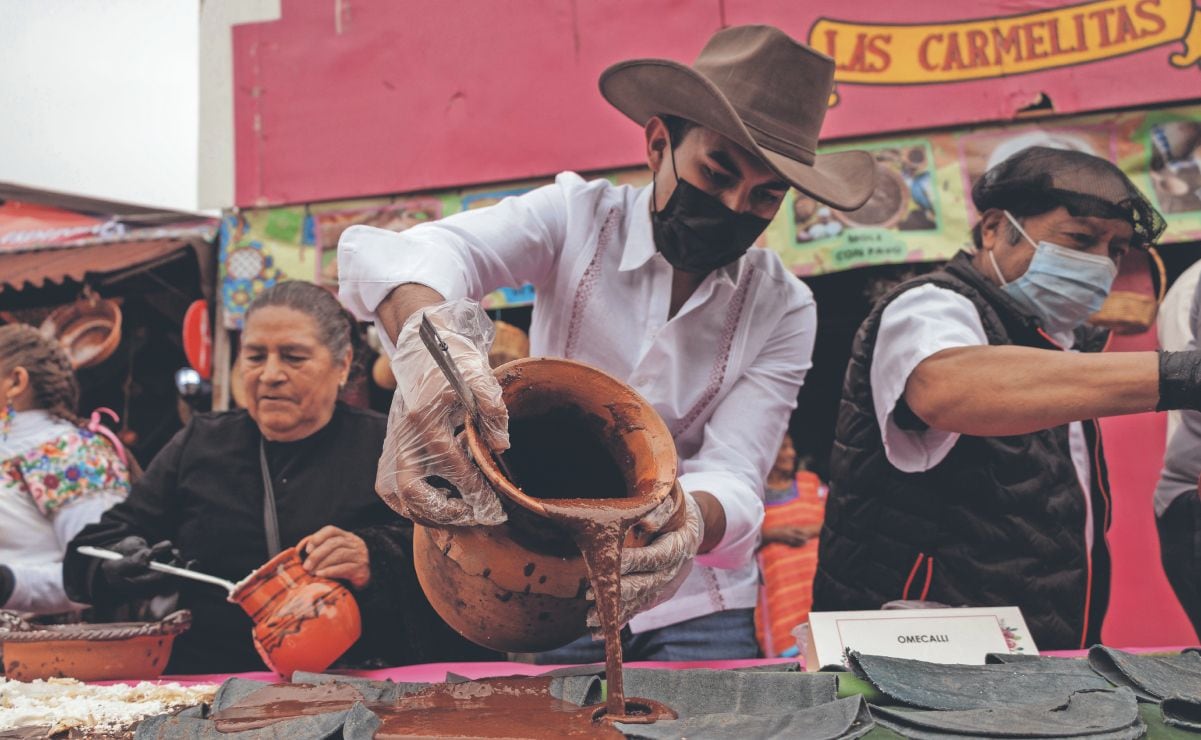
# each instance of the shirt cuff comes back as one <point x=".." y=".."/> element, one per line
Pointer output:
<point x="373" y="261"/>
<point x="744" y="518"/>
<point x="915" y="452"/>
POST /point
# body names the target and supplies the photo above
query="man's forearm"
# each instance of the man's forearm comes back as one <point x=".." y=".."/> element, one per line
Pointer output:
<point x="402" y="303"/>
<point x="998" y="391"/>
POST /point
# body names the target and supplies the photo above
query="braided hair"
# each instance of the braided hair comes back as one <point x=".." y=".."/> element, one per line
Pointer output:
<point x="51" y="377"/>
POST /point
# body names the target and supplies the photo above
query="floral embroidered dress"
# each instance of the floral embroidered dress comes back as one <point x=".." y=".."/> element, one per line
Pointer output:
<point x="55" y="478"/>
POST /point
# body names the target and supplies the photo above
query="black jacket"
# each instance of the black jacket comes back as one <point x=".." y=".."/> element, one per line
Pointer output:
<point x="204" y="492"/>
<point x="1000" y="521"/>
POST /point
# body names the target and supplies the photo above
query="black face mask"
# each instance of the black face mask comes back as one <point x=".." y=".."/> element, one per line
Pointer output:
<point x="695" y="232"/>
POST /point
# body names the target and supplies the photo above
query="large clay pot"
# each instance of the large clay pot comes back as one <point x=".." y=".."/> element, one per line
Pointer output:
<point x="575" y="432"/>
<point x="301" y="622"/>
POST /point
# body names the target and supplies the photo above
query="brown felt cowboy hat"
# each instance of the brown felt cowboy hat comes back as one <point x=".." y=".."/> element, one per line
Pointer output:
<point x="761" y="89"/>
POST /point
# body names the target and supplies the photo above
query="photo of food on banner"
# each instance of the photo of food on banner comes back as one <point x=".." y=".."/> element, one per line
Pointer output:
<point x="1176" y="165"/>
<point x="903" y="199"/>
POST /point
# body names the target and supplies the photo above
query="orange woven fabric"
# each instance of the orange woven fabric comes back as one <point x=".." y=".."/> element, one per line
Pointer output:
<point x="786" y="593"/>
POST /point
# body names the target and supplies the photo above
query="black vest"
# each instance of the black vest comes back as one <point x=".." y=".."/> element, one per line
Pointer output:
<point x="1000" y="521"/>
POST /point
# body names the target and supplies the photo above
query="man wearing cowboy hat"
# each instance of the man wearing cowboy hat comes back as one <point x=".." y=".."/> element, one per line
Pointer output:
<point x="653" y="285"/>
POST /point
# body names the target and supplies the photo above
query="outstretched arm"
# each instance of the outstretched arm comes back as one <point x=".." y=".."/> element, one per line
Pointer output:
<point x="1004" y="390"/>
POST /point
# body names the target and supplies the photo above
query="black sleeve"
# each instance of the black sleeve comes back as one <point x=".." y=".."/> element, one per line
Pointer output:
<point x="399" y="625"/>
<point x="905" y="419"/>
<point x="147" y="512"/>
<point x="7" y="583"/>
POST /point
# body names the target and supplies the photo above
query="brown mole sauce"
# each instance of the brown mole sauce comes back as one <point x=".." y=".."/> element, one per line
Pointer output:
<point x="492" y="707"/>
<point x="281" y="701"/>
<point x="562" y="458"/>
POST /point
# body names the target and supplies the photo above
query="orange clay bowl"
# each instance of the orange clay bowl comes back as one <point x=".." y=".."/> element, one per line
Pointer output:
<point x="90" y="652"/>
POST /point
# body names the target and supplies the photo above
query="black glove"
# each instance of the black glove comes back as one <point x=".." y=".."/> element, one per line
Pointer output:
<point x="1179" y="381"/>
<point x="131" y="575"/>
<point x="8" y="582"/>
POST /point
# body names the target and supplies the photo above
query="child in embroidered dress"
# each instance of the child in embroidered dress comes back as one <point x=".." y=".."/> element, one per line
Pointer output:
<point x="58" y="473"/>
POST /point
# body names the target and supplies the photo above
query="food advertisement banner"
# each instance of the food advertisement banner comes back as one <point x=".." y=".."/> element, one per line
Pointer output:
<point x="920" y="211"/>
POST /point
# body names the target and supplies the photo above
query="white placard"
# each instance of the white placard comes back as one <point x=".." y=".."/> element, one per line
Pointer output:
<point x="962" y="636"/>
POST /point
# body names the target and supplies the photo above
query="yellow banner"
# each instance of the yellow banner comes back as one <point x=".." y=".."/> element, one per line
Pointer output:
<point x="877" y="54"/>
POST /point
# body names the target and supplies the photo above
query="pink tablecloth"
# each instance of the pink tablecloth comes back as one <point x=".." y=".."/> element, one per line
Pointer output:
<point x="438" y="671"/>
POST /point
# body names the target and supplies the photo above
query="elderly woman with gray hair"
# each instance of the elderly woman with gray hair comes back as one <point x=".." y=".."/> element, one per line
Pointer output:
<point x="207" y="497"/>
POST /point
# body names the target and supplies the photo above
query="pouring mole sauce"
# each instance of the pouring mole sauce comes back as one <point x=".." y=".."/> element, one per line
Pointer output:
<point x="588" y="458"/>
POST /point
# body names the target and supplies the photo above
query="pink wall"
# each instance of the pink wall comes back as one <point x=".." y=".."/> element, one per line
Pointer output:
<point x="408" y="95"/>
<point x="1143" y="609"/>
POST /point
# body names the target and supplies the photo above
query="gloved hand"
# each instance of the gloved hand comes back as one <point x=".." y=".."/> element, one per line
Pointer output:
<point x="1179" y="381"/>
<point x="652" y="574"/>
<point x="421" y="441"/>
<point x="131" y="574"/>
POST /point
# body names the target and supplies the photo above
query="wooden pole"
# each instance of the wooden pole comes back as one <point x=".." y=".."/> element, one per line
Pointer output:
<point x="222" y="365"/>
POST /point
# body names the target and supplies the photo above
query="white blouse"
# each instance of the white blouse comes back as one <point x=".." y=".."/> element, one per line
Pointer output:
<point x="32" y="542"/>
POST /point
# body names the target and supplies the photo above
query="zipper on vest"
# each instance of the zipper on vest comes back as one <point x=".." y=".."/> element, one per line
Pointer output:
<point x="1088" y="495"/>
<point x="917" y="564"/>
<point x="1105" y="522"/>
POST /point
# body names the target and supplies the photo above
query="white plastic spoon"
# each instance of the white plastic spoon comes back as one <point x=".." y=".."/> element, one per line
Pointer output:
<point x="98" y="552"/>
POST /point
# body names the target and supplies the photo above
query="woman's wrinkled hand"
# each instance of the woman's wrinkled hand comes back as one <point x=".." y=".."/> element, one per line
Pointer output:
<point x="335" y="553"/>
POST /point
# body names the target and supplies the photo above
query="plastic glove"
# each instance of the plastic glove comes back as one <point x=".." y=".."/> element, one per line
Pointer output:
<point x="421" y="443"/>
<point x="131" y="575"/>
<point x="652" y="574"/>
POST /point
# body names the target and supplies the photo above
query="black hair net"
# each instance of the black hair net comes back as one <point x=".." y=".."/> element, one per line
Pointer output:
<point x="1038" y="179"/>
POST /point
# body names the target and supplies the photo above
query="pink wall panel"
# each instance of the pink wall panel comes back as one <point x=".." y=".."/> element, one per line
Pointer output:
<point x="1143" y="610"/>
<point x="342" y="98"/>
<point x="424" y="94"/>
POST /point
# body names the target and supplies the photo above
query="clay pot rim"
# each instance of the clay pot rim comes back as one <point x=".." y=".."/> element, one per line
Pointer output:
<point x="655" y="426"/>
<point x="264" y="572"/>
<point x="95" y="313"/>
<point x="173" y="624"/>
